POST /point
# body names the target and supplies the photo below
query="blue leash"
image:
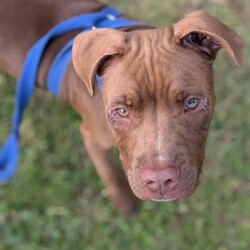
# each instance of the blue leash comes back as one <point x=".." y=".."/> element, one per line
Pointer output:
<point x="106" y="18"/>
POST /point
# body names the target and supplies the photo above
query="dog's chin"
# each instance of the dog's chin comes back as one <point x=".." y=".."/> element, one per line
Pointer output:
<point x="163" y="200"/>
<point x="175" y="194"/>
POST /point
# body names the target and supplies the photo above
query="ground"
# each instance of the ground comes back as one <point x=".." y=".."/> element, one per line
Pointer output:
<point x="56" y="200"/>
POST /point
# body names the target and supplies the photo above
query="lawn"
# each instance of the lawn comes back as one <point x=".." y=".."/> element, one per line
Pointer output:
<point x="56" y="200"/>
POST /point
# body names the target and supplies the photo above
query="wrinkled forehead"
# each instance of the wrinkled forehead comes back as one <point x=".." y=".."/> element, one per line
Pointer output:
<point x="154" y="65"/>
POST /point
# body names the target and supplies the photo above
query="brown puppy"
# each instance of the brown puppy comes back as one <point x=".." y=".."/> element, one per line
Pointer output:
<point x="157" y="99"/>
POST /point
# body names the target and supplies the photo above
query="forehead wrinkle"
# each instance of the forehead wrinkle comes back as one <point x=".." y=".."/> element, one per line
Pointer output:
<point x="158" y="59"/>
<point x="149" y="58"/>
<point x="149" y="51"/>
<point x="149" y="75"/>
<point x="153" y="73"/>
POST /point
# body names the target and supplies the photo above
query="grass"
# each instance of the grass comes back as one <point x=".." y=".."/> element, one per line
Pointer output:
<point x="55" y="200"/>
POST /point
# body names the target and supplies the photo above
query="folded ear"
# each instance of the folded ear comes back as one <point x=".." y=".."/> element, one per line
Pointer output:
<point x="205" y="33"/>
<point x="92" y="48"/>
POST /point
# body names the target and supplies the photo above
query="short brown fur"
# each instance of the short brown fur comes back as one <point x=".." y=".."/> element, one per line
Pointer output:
<point x="150" y="73"/>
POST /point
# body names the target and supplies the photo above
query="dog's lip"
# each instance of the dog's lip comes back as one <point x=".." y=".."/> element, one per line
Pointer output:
<point x="159" y="197"/>
<point x="170" y="196"/>
<point x="163" y="200"/>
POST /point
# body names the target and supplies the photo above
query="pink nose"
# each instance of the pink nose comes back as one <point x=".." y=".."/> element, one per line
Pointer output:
<point x="160" y="180"/>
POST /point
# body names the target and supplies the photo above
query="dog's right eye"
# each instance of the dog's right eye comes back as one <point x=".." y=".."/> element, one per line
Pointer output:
<point x="122" y="112"/>
<point x="117" y="115"/>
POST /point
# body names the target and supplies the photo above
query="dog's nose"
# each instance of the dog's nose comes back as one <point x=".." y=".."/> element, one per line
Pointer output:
<point x="160" y="180"/>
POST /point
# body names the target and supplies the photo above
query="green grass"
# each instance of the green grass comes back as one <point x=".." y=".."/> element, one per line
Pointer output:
<point x="55" y="200"/>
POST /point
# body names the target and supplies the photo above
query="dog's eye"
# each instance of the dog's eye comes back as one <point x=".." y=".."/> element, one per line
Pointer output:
<point x="122" y="112"/>
<point x="192" y="103"/>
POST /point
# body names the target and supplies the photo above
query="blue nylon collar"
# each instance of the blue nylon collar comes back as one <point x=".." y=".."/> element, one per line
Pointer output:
<point x="106" y="18"/>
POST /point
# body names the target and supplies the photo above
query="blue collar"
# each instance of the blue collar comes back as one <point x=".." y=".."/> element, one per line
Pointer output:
<point x="106" y="18"/>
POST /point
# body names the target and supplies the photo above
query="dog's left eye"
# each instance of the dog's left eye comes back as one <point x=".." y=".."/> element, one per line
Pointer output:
<point x="122" y="112"/>
<point x="192" y="103"/>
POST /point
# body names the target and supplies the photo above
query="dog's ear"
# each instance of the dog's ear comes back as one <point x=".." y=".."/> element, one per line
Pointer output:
<point x="206" y="34"/>
<point x="92" y="48"/>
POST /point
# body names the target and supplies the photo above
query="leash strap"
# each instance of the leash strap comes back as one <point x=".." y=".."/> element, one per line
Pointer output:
<point x="108" y="18"/>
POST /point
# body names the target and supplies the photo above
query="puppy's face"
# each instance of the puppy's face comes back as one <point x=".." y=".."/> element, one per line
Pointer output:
<point x="158" y="96"/>
<point x="159" y="101"/>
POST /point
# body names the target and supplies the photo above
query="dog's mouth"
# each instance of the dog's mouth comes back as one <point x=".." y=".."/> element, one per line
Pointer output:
<point x="166" y="197"/>
<point x="163" y="200"/>
<point x="168" y="186"/>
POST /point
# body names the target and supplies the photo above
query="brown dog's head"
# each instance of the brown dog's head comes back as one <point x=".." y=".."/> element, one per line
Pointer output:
<point x="159" y="97"/>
